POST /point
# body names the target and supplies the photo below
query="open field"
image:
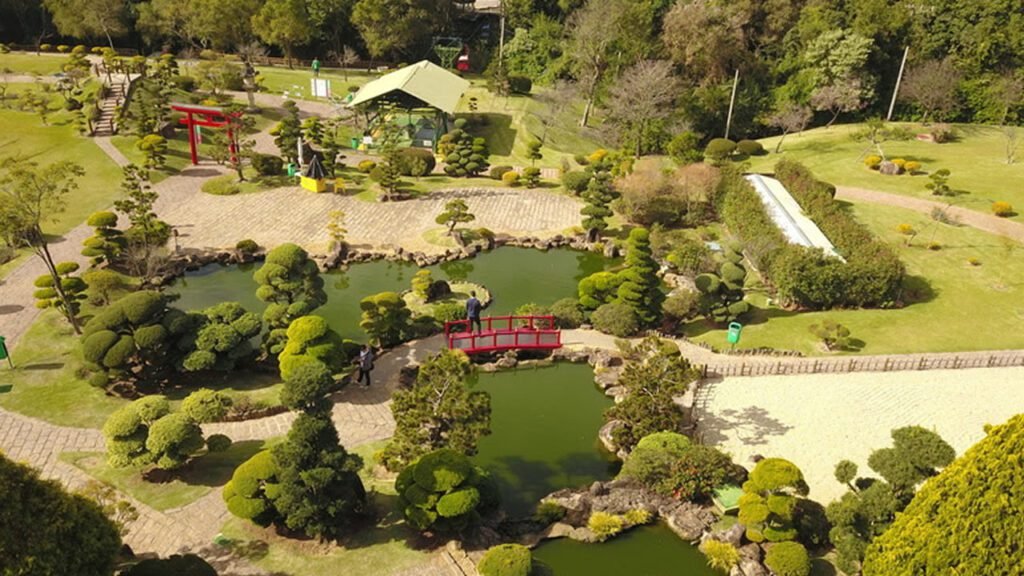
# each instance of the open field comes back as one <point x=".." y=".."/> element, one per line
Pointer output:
<point x="976" y="160"/>
<point x="954" y="305"/>
<point x="29" y="63"/>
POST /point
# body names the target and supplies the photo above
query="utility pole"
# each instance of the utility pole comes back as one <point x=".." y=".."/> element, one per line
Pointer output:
<point x="899" y="78"/>
<point x="501" y="34"/>
<point x="732" y="101"/>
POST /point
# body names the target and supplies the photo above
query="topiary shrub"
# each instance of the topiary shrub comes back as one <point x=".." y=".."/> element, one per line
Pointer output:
<point x="173" y="439"/>
<point x="912" y="167"/>
<point x="788" y="559"/>
<point x="576" y="182"/>
<point x="615" y="318"/>
<point x="873" y="162"/>
<point x="669" y="464"/>
<point x="218" y="443"/>
<point x="407" y="158"/>
<point x="750" y="148"/>
<point x="253" y="488"/>
<point x="685" y="148"/>
<point x="205" y="405"/>
<point x="1002" y="209"/>
<point x="719" y="149"/>
<point x="443" y="491"/>
<point x="267" y="164"/>
<point x="567" y="313"/>
<point x="448" y="312"/>
<point x="520" y="84"/>
<point x="506" y="560"/>
<point x="496" y="172"/>
<point x="366" y="166"/>
<point x="247" y="246"/>
<point x="222" y="186"/>
<point x="510" y="179"/>
<point x="311" y="340"/>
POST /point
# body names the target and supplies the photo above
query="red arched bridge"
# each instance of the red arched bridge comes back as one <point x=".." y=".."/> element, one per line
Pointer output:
<point x="504" y="333"/>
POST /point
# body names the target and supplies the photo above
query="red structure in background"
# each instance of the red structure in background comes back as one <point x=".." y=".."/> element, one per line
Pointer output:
<point x="211" y="117"/>
<point x="504" y="333"/>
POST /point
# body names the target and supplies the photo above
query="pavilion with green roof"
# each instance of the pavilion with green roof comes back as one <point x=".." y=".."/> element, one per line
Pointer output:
<point x="421" y="98"/>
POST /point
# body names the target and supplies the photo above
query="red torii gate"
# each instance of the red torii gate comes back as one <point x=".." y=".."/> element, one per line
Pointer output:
<point x="212" y="117"/>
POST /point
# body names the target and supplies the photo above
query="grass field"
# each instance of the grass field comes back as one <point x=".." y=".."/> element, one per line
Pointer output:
<point x="976" y="160"/>
<point x="204" y="473"/>
<point x="956" y="306"/>
<point x="29" y="63"/>
<point x="24" y="136"/>
<point x="296" y="82"/>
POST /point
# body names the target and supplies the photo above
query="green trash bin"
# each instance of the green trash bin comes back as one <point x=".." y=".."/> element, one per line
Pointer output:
<point x="292" y="169"/>
<point x="355" y="143"/>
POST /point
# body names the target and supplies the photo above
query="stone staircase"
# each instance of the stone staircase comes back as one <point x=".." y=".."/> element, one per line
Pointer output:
<point x="106" y="125"/>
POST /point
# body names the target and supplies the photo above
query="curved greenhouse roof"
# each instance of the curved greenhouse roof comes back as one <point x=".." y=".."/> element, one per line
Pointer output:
<point x="788" y="216"/>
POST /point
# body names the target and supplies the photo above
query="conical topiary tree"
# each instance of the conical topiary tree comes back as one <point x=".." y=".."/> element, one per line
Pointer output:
<point x="106" y="242"/>
<point x="640" y="288"/>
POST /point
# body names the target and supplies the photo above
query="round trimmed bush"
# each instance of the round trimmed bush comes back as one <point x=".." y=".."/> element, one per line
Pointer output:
<point x="788" y="559"/>
<point x="1002" y="209"/>
<point x="496" y="172"/>
<point x="506" y="560"/>
<point x="912" y="166"/>
<point x="576" y="182"/>
<point x="102" y="220"/>
<point x="406" y="157"/>
<point x="218" y="443"/>
<point x="442" y="470"/>
<point x="510" y="179"/>
<point x="749" y="148"/>
<point x="719" y="149"/>
<point x="458" y="502"/>
<point x="366" y="166"/>
<point x="205" y="405"/>
<point x="684" y="148"/>
<point x="247" y="246"/>
<point x="267" y="164"/>
<point x="873" y="162"/>
<point x="567" y="313"/>
<point x="615" y="318"/>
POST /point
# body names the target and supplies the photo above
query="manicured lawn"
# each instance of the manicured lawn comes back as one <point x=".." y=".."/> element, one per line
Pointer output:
<point x="25" y="136"/>
<point x="228" y="184"/>
<point x="514" y="121"/>
<point x="46" y="382"/>
<point x="278" y="80"/>
<point x="977" y="163"/>
<point x="205" y="473"/>
<point x="29" y="63"/>
<point x="956" y="306"/>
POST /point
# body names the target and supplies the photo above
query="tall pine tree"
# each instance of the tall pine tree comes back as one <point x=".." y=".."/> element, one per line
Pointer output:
<point x="599" y="195"/>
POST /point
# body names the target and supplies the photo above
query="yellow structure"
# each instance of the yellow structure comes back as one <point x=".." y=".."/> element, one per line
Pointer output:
<point x="314" y="177"/>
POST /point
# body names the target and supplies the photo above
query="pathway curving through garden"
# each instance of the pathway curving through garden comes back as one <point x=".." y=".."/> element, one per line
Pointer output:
<point x="987" y="222"/>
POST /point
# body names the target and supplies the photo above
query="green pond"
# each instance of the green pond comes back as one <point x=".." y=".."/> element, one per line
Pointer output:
<point x="544" y="424"/>
<point x="514" y="276"/>
<point x="646" y="551"/>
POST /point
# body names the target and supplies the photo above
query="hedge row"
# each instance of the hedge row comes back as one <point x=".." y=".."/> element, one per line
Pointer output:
<point x="873" y="274"/>
<point x="742" y="211"/>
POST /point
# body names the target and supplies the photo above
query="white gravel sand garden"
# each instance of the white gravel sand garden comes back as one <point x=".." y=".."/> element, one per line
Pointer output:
<point x="817" y="420"/>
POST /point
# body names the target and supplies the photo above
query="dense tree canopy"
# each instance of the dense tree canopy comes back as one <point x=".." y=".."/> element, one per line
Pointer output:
<point x="45" y="530"/>
<point x="966" y="520"/>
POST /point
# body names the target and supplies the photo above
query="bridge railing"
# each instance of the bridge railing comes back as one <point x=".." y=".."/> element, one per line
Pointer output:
<point x="503" y="333"/>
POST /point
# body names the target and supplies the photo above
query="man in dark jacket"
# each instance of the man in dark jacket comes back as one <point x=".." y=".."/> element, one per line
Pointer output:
<point x="473" y="308"/>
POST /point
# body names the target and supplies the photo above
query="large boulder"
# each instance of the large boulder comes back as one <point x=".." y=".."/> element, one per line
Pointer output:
<point x="689" y="520"/>
<point x="438" y="290"/>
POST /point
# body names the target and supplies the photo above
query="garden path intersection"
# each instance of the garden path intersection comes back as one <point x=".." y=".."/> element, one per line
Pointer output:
<point x="364" y="415"/>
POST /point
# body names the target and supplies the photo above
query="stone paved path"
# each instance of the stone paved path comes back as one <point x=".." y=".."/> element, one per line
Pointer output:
<point x="972" y="218"/>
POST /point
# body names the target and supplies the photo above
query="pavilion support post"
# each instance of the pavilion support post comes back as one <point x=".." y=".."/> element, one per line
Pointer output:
<point x="192" y="140"/>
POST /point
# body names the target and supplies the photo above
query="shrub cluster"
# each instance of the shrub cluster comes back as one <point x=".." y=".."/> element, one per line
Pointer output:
<point x="443" y="491"/>
<point x="407" y="161"/>
<point x="506" y="560"/>
<point x="669" y="464"/>
<point x="872" y="275"/>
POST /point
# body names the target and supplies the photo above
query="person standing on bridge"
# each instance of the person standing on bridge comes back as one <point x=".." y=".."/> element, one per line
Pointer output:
<point x="473" y="308"/>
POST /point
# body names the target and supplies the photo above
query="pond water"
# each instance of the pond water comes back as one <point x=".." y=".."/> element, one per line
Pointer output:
<point x="544" y="424"/>
<point x="646" y="551"/>
<point x="514" y="276"/>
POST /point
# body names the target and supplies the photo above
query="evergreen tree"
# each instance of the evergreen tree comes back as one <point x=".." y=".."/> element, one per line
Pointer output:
<point x="438" y="411"/>
<point x="319" y="491"/>
<point x="106" y="242"/>
<point x="288" y="131"/>
<point x="769" y="500"/>
<point x="455" y="212"/>
<point x="640" y="288"/>
<point x="965" y="520"/>
<point x="72" y="287"/>
<point x="46" y="530"/>
<point x="599" y="195"/>
<point x="290" y="283"/>
<point x="389" y="172"/>
<point x="385" y="318"/>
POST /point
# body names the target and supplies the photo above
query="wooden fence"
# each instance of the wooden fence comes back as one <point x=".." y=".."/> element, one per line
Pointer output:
<point x="865" y="364"/>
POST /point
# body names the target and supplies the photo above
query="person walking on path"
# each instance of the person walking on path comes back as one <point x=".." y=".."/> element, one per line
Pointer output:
<point x="473" y="308"/>
<point x="365" y="361"/>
